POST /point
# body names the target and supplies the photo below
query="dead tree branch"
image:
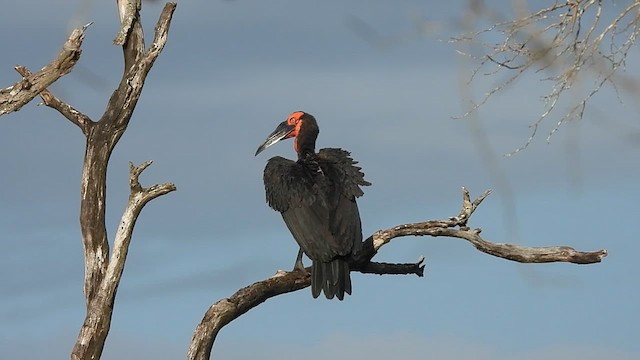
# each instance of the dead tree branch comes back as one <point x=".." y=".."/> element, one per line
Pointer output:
<point x="129" y="11"/>
<point x="103" y="270"/>
<point x="16" y="96"/>
<point x="456" y="227"/>
<point x="226" y="310"/>
<point x="138" y="198"/>
<point x="79" y="119"/>
<point x="103" y="274"/>
<point x="96" y="326"/>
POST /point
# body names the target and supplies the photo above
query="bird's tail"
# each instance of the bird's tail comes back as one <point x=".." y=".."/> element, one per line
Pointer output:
<point x="331" y="277"/>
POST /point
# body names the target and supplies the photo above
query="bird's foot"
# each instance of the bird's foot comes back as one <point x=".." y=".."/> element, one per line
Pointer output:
<point x="299" y="266"/>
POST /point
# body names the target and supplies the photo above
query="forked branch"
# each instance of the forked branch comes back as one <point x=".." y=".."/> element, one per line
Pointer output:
<point x="79" y="119"/>
<point x="456" y="227"/>
<point x="103" y="269"/>
<point x="138" y="198"/>
<point x="99" y="310"/>
<point x="226" y="310"/>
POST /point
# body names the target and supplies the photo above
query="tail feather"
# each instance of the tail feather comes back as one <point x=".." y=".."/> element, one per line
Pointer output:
<point x="316" y="279"/>
<point x="333" y="278"/>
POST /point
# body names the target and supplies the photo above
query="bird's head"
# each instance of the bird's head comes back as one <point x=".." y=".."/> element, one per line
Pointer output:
<point x="299" y="125"/>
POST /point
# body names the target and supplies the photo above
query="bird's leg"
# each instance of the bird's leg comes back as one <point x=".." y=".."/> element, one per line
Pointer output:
<point x="299" y="265"/>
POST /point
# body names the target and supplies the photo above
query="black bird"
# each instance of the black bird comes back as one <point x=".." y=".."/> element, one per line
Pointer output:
<point x="317" y="198"/>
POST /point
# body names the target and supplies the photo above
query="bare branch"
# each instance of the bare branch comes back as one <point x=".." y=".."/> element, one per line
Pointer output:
<point x="100" y="143"/>
<point x="129" y="10"/>
<point x="68" y="111"/>
<point x="468" y="207"/>
<point x="456" y="227"/>
<point x="226" y="310"/>
<point x="99" y="310"/>
<point x="138" y="198"/>
<point x="564" y="40"/>
<point x="505" y="63"/>
<point x="103" y="274"/>
<point x="383" y="237"/>
<point x="380" y="268"/>
<point x="160" y="32"/>
<point x="137" y="66"/>
<point x="103" y="271"/>
<point x="20" y="93"/>
<point x="524" y="254"/>
<point x="134" y="174"/>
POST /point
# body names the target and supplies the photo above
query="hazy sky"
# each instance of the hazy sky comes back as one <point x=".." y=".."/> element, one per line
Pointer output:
<point x="379" y="87"/>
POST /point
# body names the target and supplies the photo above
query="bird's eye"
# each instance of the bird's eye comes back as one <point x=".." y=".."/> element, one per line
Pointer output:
<point x="292" y="121"/>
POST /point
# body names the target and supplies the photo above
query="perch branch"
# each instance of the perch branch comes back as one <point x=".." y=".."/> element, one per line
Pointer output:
<point x="16" y="96"/>
<point x="456" y="227"/>
<point x="379" y="268"/>
<point x="226" y="310"/>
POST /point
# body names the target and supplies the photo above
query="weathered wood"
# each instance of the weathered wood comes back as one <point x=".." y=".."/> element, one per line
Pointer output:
<point x="129" y="10"/>
<point x="16" y="96"/>
<point x="226" y="310"/>
<point x="456" y="227"/>
<point x="103" y="271"/>
<point x="97" y="322"/>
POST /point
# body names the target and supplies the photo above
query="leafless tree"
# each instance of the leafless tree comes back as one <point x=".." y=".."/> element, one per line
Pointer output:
<point x="104" y="267"/>
<point x="564" y="43"/>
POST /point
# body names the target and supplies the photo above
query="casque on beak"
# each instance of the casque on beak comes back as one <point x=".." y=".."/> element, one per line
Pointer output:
<point x="281" y="132"/>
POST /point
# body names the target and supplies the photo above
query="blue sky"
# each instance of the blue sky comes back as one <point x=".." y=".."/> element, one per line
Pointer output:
<point x="230" y="72"/>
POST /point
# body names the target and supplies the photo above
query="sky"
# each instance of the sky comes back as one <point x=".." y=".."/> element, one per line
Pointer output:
<point x="379" y="86"/>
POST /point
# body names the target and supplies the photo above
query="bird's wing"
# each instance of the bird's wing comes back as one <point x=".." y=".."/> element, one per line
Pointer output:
<point x="285" y="184"/>
<point x="343" y="168"/>
<point x="304" y="206"/>
<point x="309" y="225"/>
<point x="326" y="227"/>
<point x="346" y="180"/>
<point x="345" y="226"/>
<point x="320" y="210"/>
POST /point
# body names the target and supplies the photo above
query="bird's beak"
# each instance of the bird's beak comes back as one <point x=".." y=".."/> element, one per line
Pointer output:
<point x="281" y="132"/>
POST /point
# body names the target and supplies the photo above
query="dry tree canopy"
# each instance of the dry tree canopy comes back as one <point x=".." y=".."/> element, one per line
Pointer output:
<point x="577" y="45"/>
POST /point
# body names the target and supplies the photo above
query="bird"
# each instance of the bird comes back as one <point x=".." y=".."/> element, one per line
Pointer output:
<point x="316" y="195"/>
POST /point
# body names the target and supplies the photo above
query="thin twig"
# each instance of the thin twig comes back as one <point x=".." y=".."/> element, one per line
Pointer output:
<point x="563" y="40"/>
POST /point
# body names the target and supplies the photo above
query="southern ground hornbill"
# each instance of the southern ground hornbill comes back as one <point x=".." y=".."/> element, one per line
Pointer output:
<point x="317" y="198"/>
